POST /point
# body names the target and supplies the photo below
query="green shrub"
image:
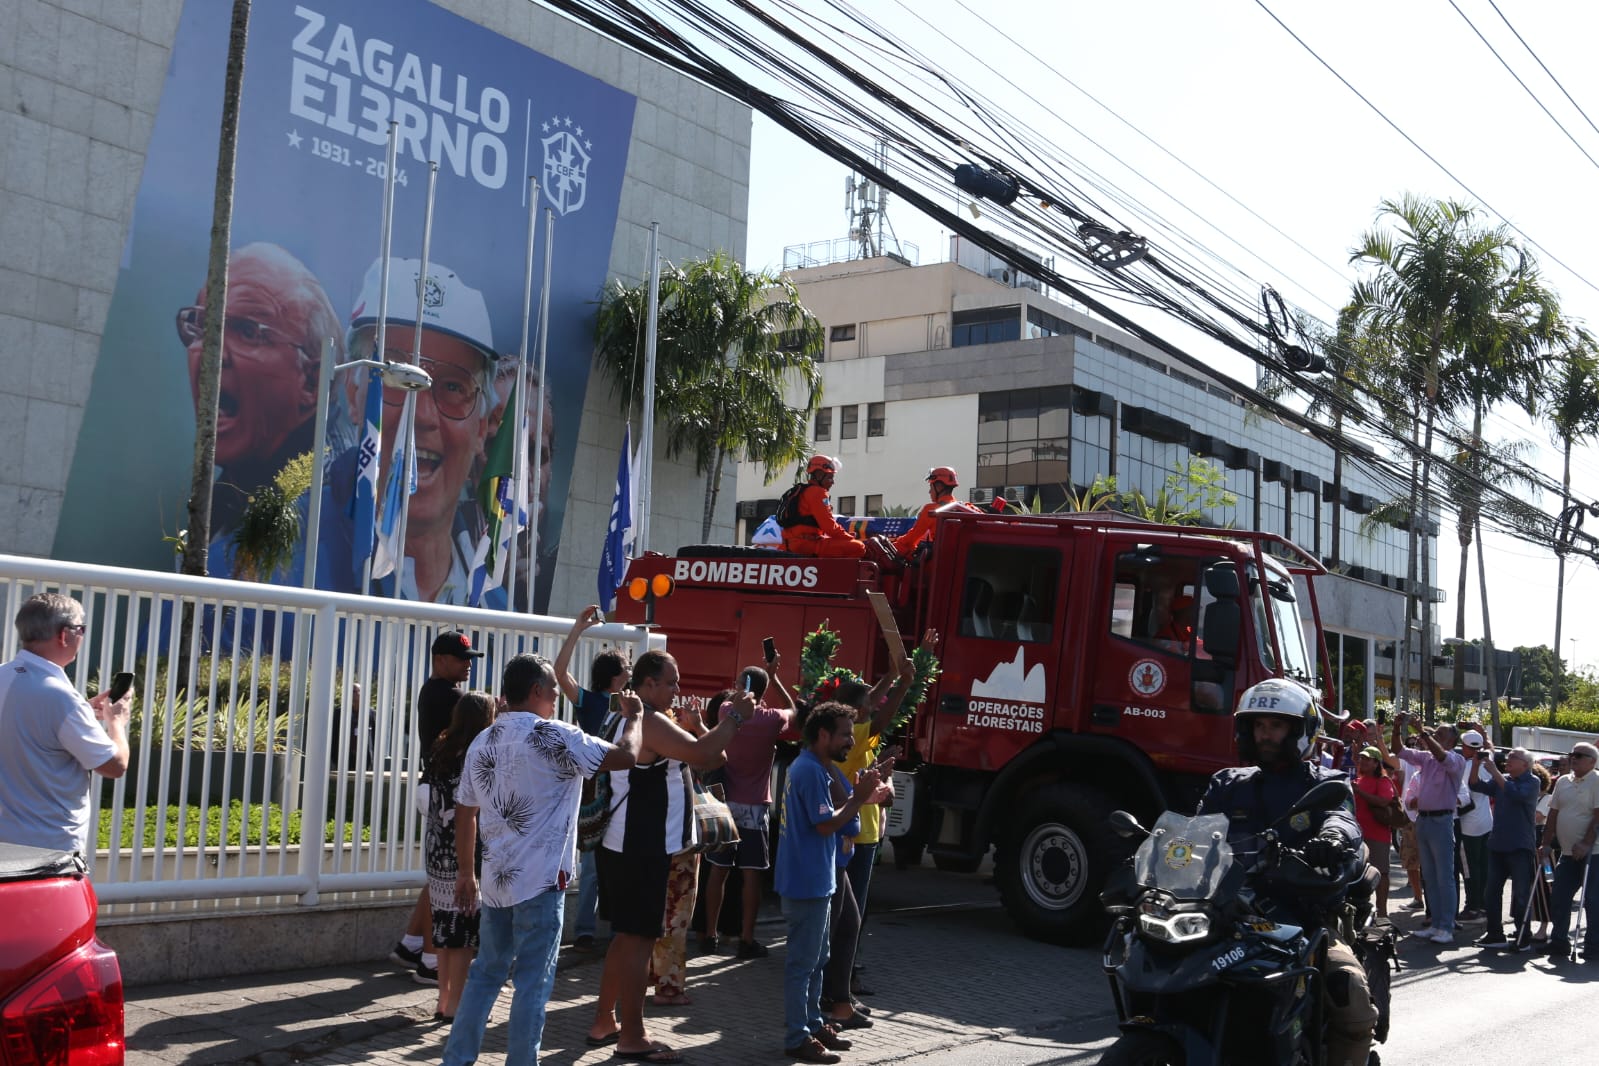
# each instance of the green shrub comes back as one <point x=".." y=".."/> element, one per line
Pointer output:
<point x="1577" y="719"/>
<point x="244" y="827"/>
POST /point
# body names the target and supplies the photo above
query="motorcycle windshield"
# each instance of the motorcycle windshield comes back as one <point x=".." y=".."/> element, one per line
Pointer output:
<point x="1186" y="857"/>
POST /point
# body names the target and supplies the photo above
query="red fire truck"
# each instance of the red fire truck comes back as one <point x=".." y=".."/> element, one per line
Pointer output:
<point x="1089" y="662"/>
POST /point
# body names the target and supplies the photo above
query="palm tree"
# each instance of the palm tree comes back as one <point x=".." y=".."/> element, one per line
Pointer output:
<point x="197" y="537"/>
<point x="1437" y="279"/>
<point x="730" y="343"/>
<point x="1570" y="403"/>
<point x="1501" y="362"/>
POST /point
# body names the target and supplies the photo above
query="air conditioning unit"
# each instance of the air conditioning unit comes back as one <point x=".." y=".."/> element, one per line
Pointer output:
<point x="1001" y="274"/>
<point x="747" y="509"/>
<point x="981" y="496"/>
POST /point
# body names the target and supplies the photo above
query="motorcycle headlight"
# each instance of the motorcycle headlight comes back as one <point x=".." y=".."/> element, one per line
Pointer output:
<point x="1175" y="928"/>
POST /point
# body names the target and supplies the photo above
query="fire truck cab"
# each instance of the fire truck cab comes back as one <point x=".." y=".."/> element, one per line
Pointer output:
<point x="1089" y="662"/>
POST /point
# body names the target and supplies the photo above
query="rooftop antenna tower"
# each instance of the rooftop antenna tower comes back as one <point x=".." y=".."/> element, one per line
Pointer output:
<point x="866" y="204"/>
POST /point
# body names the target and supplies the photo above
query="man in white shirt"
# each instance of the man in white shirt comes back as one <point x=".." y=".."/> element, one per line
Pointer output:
<point x="52" y="740"/>
<point x="1476" y="822"/>
<point x="1572" y="824"/>
<point x="519" y="788"/>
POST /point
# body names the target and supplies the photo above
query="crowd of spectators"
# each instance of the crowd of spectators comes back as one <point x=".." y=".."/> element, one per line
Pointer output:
<point x="502" y="787"/>
<point x="1466" y="818"/>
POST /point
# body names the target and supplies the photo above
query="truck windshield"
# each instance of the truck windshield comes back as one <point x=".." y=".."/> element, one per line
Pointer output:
<point x="1295" y="658"/>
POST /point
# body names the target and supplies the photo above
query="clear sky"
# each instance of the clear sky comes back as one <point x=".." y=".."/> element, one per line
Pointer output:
<point x="1224" y="89"/>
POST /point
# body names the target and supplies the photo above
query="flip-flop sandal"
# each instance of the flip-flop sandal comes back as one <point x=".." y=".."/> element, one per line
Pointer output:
<point x="603" y="1041"/>
<point x="658" y="1053"/>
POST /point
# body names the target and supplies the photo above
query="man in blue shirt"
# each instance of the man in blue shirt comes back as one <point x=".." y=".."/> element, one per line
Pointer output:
<point x="592" y="705"/>
<point x="806" y="861"/>
<point x="1511" y="842"/>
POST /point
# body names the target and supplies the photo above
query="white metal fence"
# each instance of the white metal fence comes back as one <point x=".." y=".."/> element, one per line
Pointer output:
<point x="273" y="737"/>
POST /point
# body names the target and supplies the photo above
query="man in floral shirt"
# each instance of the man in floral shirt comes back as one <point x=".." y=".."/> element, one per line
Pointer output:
<point x="519" y="790"/>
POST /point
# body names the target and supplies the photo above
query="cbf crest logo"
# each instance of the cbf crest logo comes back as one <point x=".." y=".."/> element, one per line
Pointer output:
<point x="566" y="164"/>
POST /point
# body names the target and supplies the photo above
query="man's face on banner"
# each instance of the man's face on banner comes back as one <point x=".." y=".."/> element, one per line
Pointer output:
<point x="451" y="422"/>
<point x="269" y="351"/>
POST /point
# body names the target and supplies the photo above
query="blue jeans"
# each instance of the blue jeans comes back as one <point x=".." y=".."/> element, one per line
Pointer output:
<point x="803" y="964"/>
<point x="1435" y="839"/>
<point x="588" y="894"/>
<point x="1518" y="866"/>
<point x="519" y="942"/>
<point x="1568" y="878"/>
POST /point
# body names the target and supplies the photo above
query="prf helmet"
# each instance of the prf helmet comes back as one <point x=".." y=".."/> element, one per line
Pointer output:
<point x="823" y="466"/>
<point x="944" y="475"/>
<point x="1281" y="698"/>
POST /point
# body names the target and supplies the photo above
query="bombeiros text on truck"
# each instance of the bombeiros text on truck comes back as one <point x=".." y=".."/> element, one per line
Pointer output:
<point x="1090" y="663"/>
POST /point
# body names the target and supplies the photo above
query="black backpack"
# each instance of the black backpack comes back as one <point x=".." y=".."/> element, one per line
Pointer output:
<point x="788" y="514"/>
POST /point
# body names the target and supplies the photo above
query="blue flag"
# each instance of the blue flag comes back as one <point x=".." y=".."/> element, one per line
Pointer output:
<point x="363" y="505"/>
<point x="619" y="534"/>
<point x="389" y="558"/>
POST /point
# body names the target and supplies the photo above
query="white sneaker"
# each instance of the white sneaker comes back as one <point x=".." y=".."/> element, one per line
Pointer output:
<point x="1443" y="936"/>
<point x="1424" y="933"/>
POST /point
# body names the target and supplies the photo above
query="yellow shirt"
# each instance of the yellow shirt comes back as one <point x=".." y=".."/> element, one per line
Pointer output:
<point x="862" y="755"/>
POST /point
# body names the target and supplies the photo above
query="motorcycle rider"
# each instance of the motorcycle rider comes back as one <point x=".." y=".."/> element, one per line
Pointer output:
<point x="1276" y="726"/>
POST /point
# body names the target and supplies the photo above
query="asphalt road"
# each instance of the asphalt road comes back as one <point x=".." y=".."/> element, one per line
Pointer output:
<point x="1459" y="1005"/>
<point x="956" y="986"/>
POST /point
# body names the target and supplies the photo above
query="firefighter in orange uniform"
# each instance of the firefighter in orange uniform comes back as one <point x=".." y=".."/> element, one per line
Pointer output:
<point x="809" y="527"/>
<point x="941" y="482"/>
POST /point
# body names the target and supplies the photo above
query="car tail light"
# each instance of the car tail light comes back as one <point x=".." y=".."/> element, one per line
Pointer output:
<point x="70" y="1013"/>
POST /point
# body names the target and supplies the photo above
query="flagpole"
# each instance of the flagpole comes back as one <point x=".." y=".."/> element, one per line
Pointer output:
<point x="538" y="419"/>
<point x="641" y="542"/>
<point x="409" y="425"/>
<point x="374" y="380"/>
<point x="324" y="385"/>
<point x="517" y="419"/>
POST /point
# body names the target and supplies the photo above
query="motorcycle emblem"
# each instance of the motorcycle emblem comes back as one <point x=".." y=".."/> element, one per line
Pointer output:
<point x="566" y="168"/>
<point x="1300" y="821"/>
<point x="1147" y="677"/>
<point x="1179" y="854"/>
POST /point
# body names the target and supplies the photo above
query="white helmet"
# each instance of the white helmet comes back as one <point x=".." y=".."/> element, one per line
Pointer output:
<point x="1278" y="697"/>
<point x="449" y="305"/>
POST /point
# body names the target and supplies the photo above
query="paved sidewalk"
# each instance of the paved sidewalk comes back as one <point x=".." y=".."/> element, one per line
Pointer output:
<point x="946" y="964"/>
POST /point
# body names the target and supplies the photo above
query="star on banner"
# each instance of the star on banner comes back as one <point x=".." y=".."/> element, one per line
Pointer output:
<point x="294" y="138"/>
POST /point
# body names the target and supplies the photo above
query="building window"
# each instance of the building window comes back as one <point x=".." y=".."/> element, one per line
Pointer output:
<point x="842" y="333"/>
<point x="849" y="422"/>
<point x="1023" y="443"/>
<point x="1010" y="593"/>
<point x="874" y="505"/>
<point x="846" y="505"/>
<point x="824" y="423"/>
<point x="876" y="416"/>
<point x="986" y="325"/>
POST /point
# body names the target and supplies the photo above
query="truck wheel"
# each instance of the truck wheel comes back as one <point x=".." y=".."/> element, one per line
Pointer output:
<point x="1052" y="866"/>
<point x="1138" y="1047"/>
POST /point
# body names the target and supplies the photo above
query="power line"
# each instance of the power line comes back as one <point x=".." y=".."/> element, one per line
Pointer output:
<point x="1509" y="70"/>
<point x="1414" y="144"/>
<point x="1540" y="63"/>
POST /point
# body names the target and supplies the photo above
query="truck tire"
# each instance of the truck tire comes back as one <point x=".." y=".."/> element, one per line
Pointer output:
<point x="1052" y="865"/>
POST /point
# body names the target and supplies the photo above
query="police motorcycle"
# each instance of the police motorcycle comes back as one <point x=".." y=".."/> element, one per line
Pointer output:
<point x="1205" y="971"/>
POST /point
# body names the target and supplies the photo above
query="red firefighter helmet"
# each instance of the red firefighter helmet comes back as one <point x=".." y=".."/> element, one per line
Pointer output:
<point x="944" y="474"/>
<point x="822" y="464"/>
